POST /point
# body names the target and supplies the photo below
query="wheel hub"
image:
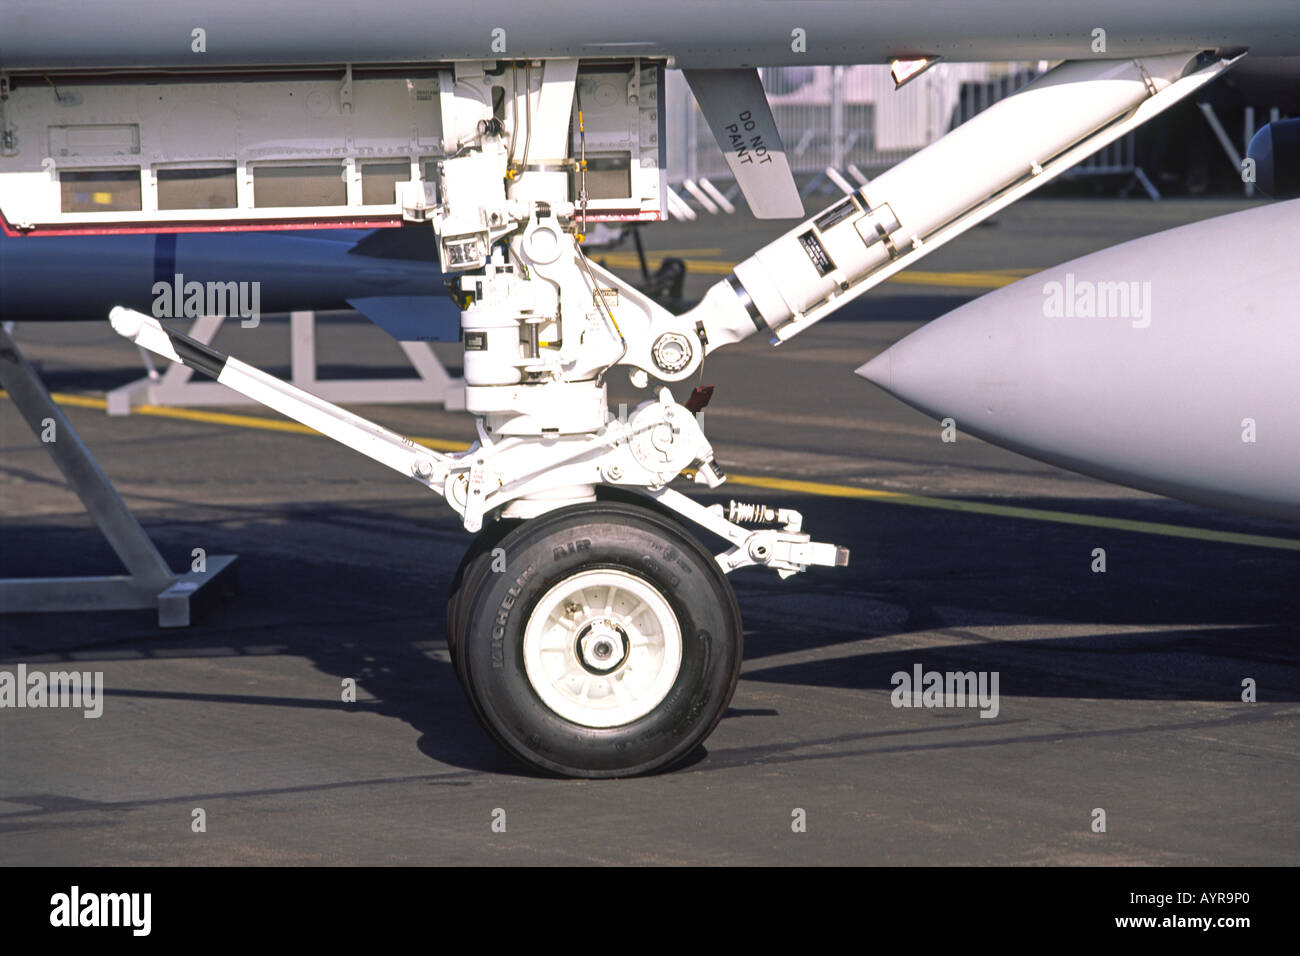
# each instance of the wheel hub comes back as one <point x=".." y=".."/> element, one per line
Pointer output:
<point x="602" y="648"/>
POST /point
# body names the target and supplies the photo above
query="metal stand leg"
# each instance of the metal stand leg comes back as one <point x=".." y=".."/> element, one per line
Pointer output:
<point x="433" y="384"/>
<point x="1145" y="181"/>
<point x="149" y="583"/>
<point x="1225" y="141"/>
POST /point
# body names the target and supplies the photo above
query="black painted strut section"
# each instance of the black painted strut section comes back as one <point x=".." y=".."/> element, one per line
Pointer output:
<point x="198" y="356"/>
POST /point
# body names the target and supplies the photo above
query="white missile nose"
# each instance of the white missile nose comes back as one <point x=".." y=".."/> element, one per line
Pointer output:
<point x="969" y="363"/>
<point x="880" y="370"/>
<point x="126" y="322"/>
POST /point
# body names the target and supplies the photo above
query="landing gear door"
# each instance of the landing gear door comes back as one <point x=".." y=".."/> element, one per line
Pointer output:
<point x="736" y="107"/>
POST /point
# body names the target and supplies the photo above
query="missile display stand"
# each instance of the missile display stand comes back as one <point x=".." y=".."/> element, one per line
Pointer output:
<point x="593" y="634"/>
<point x="149" y="582"/>
<point x="432" y="382"/>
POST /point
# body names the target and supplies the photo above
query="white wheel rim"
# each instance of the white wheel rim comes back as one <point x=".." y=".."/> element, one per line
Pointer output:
<point x="602" y="648"/>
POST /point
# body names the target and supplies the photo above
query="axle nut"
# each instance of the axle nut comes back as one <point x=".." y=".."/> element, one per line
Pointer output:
<point x="671" y="352"/>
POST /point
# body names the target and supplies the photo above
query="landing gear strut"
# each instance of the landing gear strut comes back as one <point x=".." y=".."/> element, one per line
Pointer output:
<point x="607" y="643"/>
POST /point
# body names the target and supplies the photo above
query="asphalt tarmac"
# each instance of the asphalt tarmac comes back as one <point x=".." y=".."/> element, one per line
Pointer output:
<point x="1118" y="691"/>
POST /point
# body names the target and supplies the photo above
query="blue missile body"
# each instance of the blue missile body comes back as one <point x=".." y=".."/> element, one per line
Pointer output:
<point x="390" y="275"/>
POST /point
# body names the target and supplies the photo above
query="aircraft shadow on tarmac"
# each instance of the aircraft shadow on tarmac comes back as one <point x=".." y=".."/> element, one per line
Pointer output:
<point x="359" y="592"/>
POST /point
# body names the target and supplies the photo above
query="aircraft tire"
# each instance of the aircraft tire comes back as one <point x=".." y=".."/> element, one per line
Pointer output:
<point x="479" y="559"/>
<point x="609" y="647"/>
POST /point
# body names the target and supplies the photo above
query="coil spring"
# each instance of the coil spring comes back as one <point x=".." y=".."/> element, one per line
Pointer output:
<point x="742" y="512"/>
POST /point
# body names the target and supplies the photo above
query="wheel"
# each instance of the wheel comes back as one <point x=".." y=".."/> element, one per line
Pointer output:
<point x="478" y="558"/>
<point x="610" y="646"/>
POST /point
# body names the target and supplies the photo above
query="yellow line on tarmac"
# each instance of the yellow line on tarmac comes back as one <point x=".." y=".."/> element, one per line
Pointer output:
<point x="657" y="253"/>
<point x="223" y="418"/>
<point x="817" y="488"/>
<point x="966" y="280"/>
<point x="825" y="490"/>
<point x="629" y="260"/>
<point x="991" y="279"/>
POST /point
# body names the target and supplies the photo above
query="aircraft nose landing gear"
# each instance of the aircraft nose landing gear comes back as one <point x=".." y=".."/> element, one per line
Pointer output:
<point x="609" y="644"/>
